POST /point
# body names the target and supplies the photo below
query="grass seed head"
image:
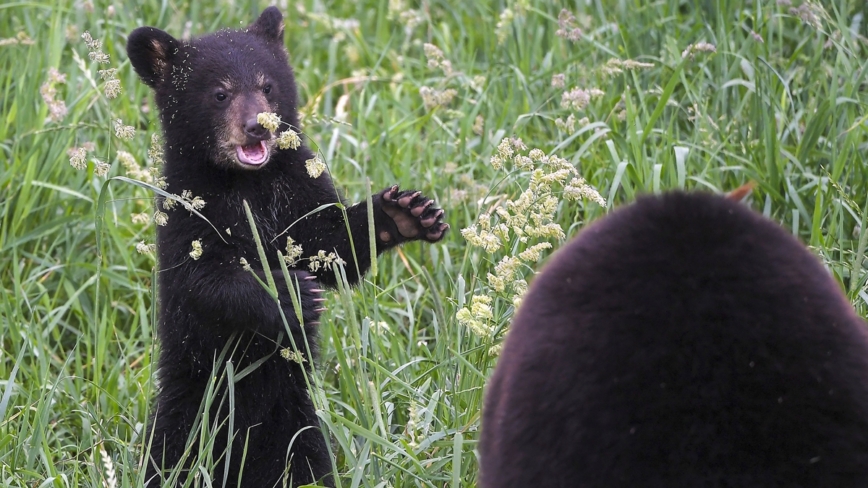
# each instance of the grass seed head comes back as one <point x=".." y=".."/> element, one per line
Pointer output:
<point x="288" y="139"/>
<point x="270" y="121"/>
<point x="315" y="166"/>
<point x="196" y="253"/>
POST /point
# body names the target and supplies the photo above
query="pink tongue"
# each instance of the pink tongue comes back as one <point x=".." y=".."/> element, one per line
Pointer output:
<point x="253" y="154"/>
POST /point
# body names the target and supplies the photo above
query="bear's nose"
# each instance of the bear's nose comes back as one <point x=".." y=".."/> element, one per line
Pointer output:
<point x="254" y="129"/>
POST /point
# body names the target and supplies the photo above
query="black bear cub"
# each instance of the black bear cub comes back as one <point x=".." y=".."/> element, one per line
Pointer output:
<point x="209" y="92"/>
<point x="682" y="341"/>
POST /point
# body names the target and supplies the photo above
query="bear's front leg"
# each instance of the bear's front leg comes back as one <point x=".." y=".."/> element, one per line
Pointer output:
<point x="399" y="217"/>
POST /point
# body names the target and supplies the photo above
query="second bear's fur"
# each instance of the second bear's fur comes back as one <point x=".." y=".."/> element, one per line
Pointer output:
<point x="683" y="340"/>
<point x="213" y="311"/>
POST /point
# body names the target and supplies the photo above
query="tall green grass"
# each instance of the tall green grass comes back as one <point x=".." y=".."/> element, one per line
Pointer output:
<point x="781" y="102"/>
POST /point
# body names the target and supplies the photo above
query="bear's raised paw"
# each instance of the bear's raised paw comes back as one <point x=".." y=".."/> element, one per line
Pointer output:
<point x="414" y="216"/>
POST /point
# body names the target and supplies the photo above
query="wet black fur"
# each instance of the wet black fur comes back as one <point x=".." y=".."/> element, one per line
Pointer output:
<point x="681" y="341"/>
<point x="205" y="302"/>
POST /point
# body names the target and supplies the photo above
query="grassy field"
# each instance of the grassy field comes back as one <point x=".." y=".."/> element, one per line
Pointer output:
<point x="634" y="96"/>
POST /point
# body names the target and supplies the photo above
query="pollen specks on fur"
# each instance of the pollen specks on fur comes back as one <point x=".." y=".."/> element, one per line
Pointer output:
<point x="181" y="75"/>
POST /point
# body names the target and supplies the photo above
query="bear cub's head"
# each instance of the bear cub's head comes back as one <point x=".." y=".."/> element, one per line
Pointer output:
<point x="209" y="90"/>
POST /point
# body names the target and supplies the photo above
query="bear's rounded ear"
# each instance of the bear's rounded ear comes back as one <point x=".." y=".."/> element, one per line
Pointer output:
<point x="151" y="52"/>
<point x="269" y="25"/>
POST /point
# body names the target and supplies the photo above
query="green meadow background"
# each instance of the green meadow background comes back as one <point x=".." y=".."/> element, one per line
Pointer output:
<point x="773" y="92"/>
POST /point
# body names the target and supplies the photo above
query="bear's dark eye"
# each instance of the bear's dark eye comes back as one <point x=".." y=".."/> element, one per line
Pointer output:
<point x="220" y="97"/>
<point x="266" y="89"/>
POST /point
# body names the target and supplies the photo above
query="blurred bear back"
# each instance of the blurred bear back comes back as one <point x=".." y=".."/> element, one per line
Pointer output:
<point x="683" y="340"/>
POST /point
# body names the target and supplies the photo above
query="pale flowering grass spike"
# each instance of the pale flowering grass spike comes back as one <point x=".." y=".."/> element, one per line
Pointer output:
<point x="122" y="131"/>
<point x="394" y="9"/>
<point x="288" y="139"/>
<point x="155" y="150"/>
<point x="559" y="80"/>
<point x="20" y="39"/>
<point x="161" y="218"/>
<point x="132" y="168"/>
<point x="436" y="59"/>
<point x="145" y="248"/>
<point x="100" y="168"/>
<point x="567" y="125"/>
<point x="293" y="252"/>
<point x="478" y="125"/>
<point x="196" y="252"/>
<point x="477" y="82"/>
<point x="577" y="189"/>
<point x="517" y="232"/>
<point x="108" y="74"/>
<point x="77" y="157"/>
<point x="270" y="121"/>
<point x="414" y="419"/>
<point x="478" y="316"/>
<point x="323" y="260"/>
<point x="128" y="161"/>
<point x="810" y="13"/>
<point x="433" y="98"/>
<point x="56" y="108"/>
<point x="294" y="356"/>
<point x="94" y="46"/>
<point x="700" y="47"/>
<point x="99" y="57"/>
<point x="141" y="218"/>
<point x="615" y="66"/>
<point x="186" y="199"/>
<point x="110" y="479"/>
<point x="411" y="19"/>
<point x="504" y="25"/>
<point x="578" y="98"/>
<point x="568" y="26"/>
<point x="315" y="166"/>
<point x="197" y="203"/>
<point x="534" y="253"/>
<point x="112" y="88"/>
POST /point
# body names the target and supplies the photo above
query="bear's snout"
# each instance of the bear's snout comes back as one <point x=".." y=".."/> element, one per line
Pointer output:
<point x="254" y="129"/>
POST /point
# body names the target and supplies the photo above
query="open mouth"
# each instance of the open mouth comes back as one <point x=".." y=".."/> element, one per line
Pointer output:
<point x="253" y="154"/>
